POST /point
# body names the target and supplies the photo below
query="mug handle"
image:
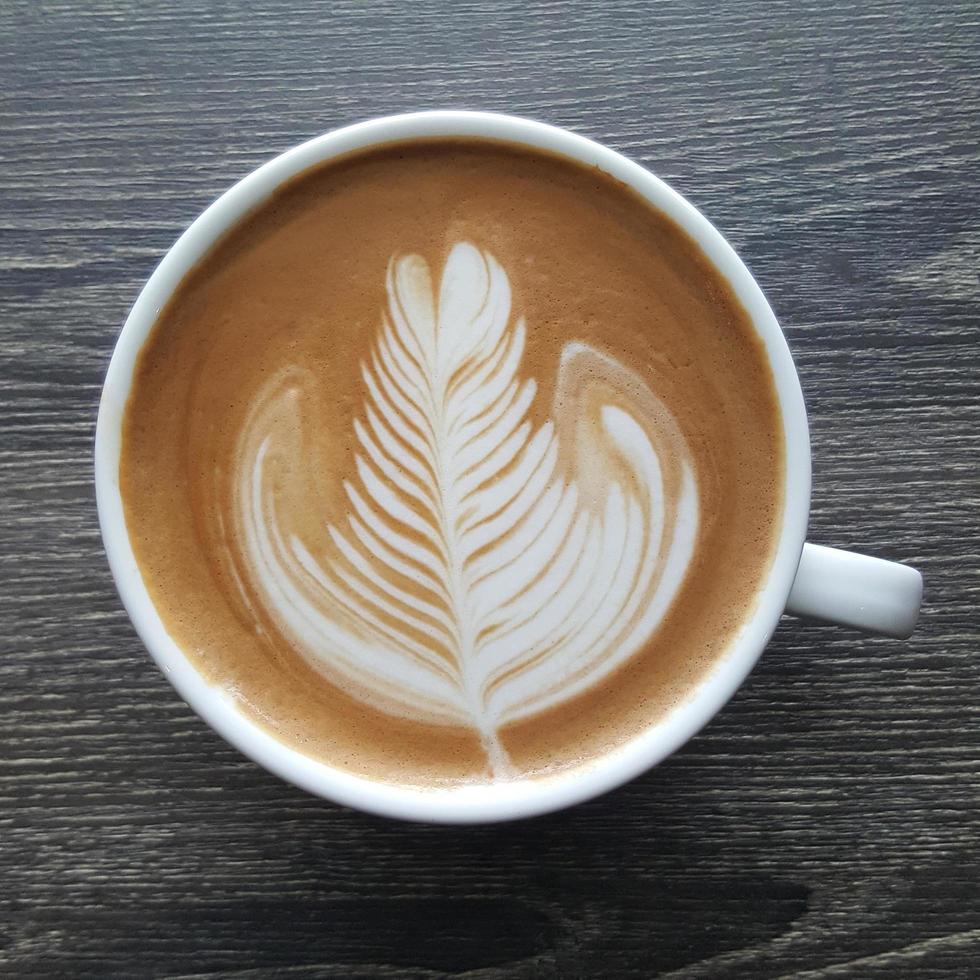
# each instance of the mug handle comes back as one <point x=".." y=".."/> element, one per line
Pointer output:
<point x="874" y="595"/>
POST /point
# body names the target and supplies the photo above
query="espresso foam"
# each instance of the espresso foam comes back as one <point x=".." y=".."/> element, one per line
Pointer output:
<point x="435" y="459"/>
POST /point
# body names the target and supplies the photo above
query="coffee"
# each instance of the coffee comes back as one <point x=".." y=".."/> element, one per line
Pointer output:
<point x="454" y="461"/>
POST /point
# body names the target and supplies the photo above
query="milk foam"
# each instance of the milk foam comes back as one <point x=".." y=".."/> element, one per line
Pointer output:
<point x="482" y="568"/>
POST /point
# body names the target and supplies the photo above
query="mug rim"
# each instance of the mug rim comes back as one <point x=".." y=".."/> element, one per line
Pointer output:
<point x="467" y="803"/>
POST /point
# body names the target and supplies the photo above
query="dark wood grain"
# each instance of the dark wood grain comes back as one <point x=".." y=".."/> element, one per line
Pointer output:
<point x="826" y="824"/>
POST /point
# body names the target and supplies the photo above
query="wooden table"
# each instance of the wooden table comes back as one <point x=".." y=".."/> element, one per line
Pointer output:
<point x="826" y="824"/>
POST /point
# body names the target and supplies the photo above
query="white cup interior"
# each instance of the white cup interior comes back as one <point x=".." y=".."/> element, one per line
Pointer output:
<point x="465" y="803"/>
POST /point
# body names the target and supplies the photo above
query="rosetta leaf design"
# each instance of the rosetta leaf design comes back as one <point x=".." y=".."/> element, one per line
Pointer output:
<point x="486" y="568"/>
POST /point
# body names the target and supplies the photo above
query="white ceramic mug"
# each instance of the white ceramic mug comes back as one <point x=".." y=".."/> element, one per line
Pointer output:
<point x="873" y="595"/>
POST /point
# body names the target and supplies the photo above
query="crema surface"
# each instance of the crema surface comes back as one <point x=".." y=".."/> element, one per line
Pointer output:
<point x="453" y="462"/>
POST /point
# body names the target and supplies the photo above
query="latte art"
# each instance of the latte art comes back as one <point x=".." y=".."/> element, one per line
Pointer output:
<point x="483" y="569"/>
<point x="453" y="462"/>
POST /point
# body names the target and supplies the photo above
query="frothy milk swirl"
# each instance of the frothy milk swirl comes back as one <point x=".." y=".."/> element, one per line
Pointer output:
<point x="482" y="569"/>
